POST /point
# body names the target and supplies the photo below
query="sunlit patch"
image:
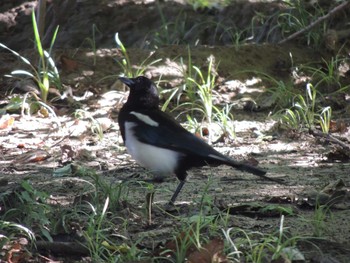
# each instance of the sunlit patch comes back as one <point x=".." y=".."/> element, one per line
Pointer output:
<point x="144" y="118"/>
<point x="248" y="86"/>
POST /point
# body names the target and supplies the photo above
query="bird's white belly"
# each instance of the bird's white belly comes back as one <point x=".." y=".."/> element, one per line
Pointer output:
<point x="159" y="160"/>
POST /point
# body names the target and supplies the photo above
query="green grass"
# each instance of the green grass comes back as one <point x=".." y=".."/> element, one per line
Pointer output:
<point x="201" y="4"/>
<point x="325" y="75"/>
<point x="92" y="42"/>
<point x="127" y="67"/>
<point x="114" y="228"/>
<point x="9" y="231"/>
<point x="128" y="70"/>
<point x="29" y="208"/>
<point x="95" y="126"/>
<point x="258" y="247"/>
<point x="297" y="17"/>
<point x="197" y="92"/>
<point x="318" y="221"/>
<point x="306" y="112"/>
<point x="171" y="32"/>
<point x="282" y="93"/>
<point x="45" y="73"/>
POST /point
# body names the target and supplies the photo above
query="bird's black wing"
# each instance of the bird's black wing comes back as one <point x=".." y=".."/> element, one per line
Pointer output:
<point x="158" y="129"/>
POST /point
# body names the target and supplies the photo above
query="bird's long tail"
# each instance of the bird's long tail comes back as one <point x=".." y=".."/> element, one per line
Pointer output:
<point x="253" y="170"/>
<point x="249" y="168"/>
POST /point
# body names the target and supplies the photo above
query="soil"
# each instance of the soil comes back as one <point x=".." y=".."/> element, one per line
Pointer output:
<point x="79" y="143"/>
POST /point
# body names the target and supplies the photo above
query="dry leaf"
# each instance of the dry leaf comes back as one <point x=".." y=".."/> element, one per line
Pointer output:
<point x="210" y="253"/>
<point x="6" y="121"/>
<point x="68" y="64"/>
<point x="21" y="146"/>
<point x="183" y="237"/>
<point x="33" y="156"/>
<point x="337" y="126"/>
<point x="17" y="253"/>
<point x="44" y="112"/>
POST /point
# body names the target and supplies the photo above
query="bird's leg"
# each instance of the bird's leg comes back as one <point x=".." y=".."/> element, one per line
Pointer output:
<point x="177" y="191"/>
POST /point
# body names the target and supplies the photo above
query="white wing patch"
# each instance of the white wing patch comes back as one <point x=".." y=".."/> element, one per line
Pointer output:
<point x="144" y="118"/>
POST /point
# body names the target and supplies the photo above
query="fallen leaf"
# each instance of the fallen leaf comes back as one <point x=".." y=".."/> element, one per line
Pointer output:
<point x="33" y="156"/>
<point x="183" y="238"/>
<point x="337" y="126"/>
<point x="6" y="121"/>
<point x="44" y="112"/>
<point x="210" y="253"/>
<point x="68" y="64"/>
<point x="17" y="253"/>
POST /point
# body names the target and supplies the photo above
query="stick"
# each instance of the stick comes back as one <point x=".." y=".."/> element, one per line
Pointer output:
<point x="330" y="138"/>
<point x="316" y="22"/>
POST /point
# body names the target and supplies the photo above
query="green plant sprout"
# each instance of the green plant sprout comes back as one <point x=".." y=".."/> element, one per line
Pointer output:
<point x="187" y="87"/>
<point x="224" y="118"/>
<point x="198" y="88"/>
<point x="92" y="42"/>
<point x="237" y="36"/>
<point x="282" y="93"/>
<point x="125" y="62"/>
<point x="95" y="233"/>
<point x="306" y="106"/>
<point x="328" y="76"/>
<point x="95" y="126"/>
<point x="258" y="247"/>
<point x="175" y="32"/>
<point x="170" y="33"/>
<point x="199" y="4"/>
<point x="46" y="71"/>
<point x="190" y="235"/>
<point x="203" y="101"/>
<point x="306" y="113"/>
<point x="325" y="119"/>
<point x="31" y="209"/>
<point x="318" y="220"/>
<point x="205" y="88"/>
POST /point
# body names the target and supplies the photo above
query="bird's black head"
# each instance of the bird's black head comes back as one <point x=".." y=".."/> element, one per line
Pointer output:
<point x="143" y="92"/>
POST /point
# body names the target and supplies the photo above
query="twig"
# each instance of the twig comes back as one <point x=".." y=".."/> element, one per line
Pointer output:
<point x="330" y="138"/>
<point x="316" y="22"/>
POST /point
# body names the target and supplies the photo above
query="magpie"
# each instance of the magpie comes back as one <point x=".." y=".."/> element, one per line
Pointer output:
<point x="159" y="143"/>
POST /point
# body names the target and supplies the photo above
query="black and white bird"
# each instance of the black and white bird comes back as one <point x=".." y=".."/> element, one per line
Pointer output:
<point x="157" y="142"/>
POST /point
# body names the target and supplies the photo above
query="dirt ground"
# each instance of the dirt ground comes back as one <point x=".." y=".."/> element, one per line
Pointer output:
<point x="36" y="147"/>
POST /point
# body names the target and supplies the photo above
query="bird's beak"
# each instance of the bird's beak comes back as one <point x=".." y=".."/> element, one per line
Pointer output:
<point x="127" y="81"/>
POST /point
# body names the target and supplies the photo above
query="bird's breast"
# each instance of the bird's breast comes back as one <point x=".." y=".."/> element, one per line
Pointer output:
<point x="160" y="161"/>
